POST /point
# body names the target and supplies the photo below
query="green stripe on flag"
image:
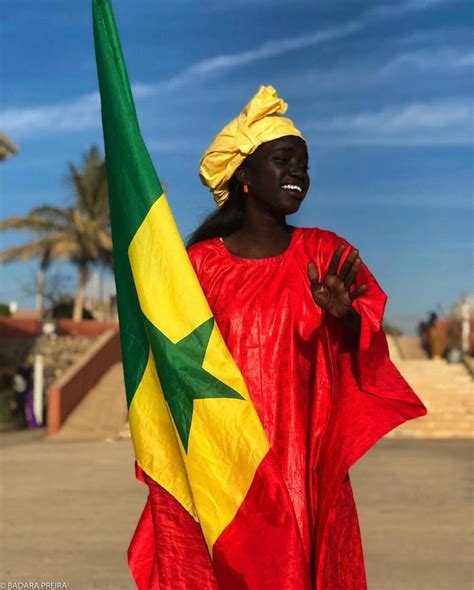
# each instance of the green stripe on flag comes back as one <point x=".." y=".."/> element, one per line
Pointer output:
<point x="132" y="181"/>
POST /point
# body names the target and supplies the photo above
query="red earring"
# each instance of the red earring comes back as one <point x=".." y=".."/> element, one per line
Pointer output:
<point x="245" y="188"/>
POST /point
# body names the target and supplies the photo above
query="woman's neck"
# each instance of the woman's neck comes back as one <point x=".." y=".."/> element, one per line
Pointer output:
<point x="260" y="237"/>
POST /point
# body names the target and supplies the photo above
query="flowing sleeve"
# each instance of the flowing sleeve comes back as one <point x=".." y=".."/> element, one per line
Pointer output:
<point x="375" y="372"/>
<point x="368" y="396"/>
<point x="368" y="360"/>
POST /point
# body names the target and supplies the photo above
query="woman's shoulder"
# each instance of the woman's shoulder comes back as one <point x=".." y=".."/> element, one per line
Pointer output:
<point x="202" y="251"/>
<point x="316" y="238"/>
<point x="203" y="246"/>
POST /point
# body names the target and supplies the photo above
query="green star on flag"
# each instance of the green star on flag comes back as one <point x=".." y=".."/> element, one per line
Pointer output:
<point x="179" y="365"/>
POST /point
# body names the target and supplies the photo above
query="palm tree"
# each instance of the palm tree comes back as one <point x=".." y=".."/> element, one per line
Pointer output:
<point x="79" y="233"/>
<point x="7" y="147"/>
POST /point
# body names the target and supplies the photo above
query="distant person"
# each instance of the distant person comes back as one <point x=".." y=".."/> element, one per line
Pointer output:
<point x="23" y="387"/>
<point x="423" y="335"/>
<point x="302" y="316"/>
<point x="436" y="337"/>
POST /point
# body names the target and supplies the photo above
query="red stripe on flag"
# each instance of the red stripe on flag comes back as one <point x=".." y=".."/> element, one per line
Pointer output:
<point x="262" y="547"/>
<point x="168" y="551"/>
<point x="141" y="553"/>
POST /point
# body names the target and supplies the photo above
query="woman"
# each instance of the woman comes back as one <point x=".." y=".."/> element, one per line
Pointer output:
<point x="302" y="317"/>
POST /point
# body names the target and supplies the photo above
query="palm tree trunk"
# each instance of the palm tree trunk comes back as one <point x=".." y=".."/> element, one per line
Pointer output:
<point x="44" y="265"/>
<point x="40" y="293"/>
<point x="79" y="300"/>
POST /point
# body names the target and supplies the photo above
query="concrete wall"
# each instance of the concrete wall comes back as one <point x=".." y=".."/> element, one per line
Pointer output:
<point x="21" y="327"/>
<point x="69" y="390"/>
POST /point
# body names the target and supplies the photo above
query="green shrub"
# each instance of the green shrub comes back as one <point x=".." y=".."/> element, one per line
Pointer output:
<point x="5" y="310"/>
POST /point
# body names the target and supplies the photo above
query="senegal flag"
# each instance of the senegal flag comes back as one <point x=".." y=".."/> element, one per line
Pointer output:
<point x="194" y="428"/>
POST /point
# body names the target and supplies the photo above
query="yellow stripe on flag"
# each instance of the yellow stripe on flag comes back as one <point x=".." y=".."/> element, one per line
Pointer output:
<point x="164" y="277"/>
<point x="154" y="439"/>
<point x="226" y="446"/>
<point x="227" y="442"/>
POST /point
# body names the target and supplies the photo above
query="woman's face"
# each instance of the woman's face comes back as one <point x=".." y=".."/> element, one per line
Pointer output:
<point x="277" y="174"/>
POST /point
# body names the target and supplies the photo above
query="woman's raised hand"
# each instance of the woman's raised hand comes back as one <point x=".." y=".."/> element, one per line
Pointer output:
<point x="334" y="293"/>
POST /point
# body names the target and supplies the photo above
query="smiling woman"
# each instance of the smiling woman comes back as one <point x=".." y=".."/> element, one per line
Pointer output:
<point x="272" y="182"/>
<point x="302" y="318"/>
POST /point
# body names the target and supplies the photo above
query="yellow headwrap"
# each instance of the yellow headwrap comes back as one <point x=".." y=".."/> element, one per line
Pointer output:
<point x="259" y="122"/>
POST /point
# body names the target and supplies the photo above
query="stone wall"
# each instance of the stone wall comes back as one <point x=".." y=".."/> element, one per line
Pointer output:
<point x="59" y="354"/>
<point x="19" y="339"/>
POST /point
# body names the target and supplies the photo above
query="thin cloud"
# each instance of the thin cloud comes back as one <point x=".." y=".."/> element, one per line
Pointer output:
<point x="84" y="113"/>
<point x="358" y="76"/>
<point x="222" y="63"/>
<point x="443" y="122"/>
<point x="443" y="58"/>
<point x="395" y="9"/>
<point x="76" y="115"/>
<point x="416" y="115"/>
<point x="270" y="49"/>
<point x="80" y="114"/>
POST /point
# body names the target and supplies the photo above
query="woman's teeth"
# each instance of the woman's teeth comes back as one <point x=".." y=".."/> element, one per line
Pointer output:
<point x="292" y="187"/>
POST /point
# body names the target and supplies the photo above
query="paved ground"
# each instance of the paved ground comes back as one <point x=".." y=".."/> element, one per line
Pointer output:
<point x="69" y="510"/>
<point x="416" y="514"/>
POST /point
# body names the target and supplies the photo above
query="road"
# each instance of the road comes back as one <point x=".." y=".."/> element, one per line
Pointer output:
<point x="69" y="510"/>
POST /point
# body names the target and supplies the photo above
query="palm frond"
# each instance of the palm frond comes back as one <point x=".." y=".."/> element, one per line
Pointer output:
<point x="79" y="233"/>
<point x="52" y="213"/>
<point x="26" y="252"/>
<point x="32" y="223"/>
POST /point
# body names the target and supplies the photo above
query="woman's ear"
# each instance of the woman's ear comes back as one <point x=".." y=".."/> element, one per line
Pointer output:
<point x="242" y="175"/>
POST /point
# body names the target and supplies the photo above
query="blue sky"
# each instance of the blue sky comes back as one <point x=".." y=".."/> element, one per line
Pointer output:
<point x="383" y="93"/>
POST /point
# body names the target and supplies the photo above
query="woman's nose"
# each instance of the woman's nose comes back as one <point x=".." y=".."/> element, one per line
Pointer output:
<point x="297" y="170"/>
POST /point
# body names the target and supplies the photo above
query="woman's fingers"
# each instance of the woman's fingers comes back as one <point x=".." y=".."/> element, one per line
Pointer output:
<point x="358" y="292"/>
<point x="347" y="266"/>
<point x="336" y="287"/>
<point x="332" y="270"/>
<point x="318" y="290"/>
<point x="351" y="274"/>
<point x="313" y="274"/>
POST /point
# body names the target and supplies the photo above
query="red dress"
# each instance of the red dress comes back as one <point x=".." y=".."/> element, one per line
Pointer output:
<point x="323" y="398"/>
